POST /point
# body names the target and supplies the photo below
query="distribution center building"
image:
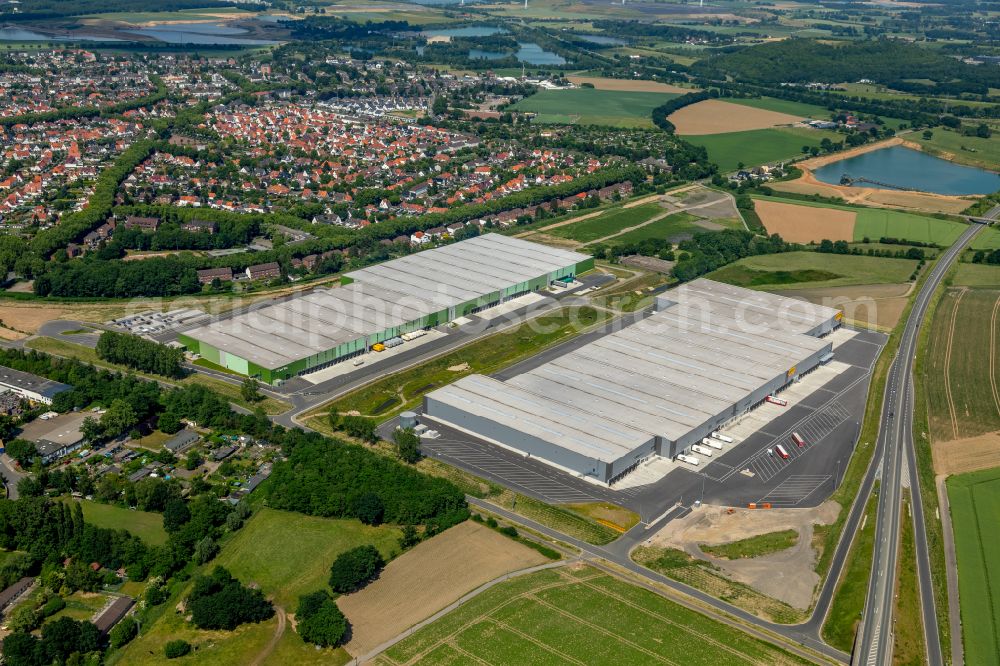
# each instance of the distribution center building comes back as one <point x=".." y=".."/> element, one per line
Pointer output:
<point x="710" y="353"/>
<point x="312" y="331"/>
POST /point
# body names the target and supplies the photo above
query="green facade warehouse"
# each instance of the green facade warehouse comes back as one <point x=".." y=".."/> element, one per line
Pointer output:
<point x="312" y="331"/>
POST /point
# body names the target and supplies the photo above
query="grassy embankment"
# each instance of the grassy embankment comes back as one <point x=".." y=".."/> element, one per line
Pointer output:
<point x="849" y="600"/>
<point x="702" y="575"/>
<point x="813" y="269"/>
<point x="755" y="546"/>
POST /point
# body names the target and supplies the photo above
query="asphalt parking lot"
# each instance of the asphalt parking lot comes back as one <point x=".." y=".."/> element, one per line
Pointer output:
<point x="828" y="419"/>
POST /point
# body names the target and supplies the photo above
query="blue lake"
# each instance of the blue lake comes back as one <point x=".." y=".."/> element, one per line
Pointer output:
<point x="468" y="31"/>
<point x="600" y="39"/>
<point x="200" y="33"/>
<point x="531" y="53"/>
<point x="911" y="169"/>
<point x="21" y="35"/>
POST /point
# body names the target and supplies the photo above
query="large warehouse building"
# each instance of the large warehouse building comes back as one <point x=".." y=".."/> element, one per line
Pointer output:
<point x="710" y="353"/>
<point x="313" y="331"/>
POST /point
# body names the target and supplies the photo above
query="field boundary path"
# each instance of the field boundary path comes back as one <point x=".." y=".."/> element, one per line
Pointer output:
<point x="655" y="218"/>
<point x="453" y="606"/>
<point x="279" y="631"/>
<point x="947" y="364"/>
<point x="951" y="573"/>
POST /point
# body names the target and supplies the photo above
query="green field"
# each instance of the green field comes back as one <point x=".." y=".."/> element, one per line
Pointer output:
<point x="970" y="150"/>
<point x="761" y="146"/>
<point x="976" y="275"/>
<point x="975" y="505"/>
<point x="876" y="223"/>
<point x="673" y="226"/>
<point x="961" y="398"/>
<point x="987" y="239"/>
<point x="784" y="106"/>
<point x="588" y="106"/>
<point x="813" y="269"/>
<point x="146" y="526"/>
<point x="578" y="616"/>
<point x="289" y="554"/>
<point x="607" y="223"/>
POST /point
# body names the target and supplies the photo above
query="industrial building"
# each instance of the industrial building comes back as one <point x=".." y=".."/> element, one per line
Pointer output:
<point x="29" y="386"/>
<point x="312" y="331"/>
<point x="710" y="353"/>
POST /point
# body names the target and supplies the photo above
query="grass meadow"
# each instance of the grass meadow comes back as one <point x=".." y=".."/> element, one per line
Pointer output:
<point x="578" y="615"/>
<point x="589" y="106"/>
<point x="756" y="147"/>
<point x="287" y="555"/>
<point x="971" y="150"/>
<point x="609" y="222"/>
<point x="813" y="269"/>
<point x="147" y="526"/>
<point x="975" y="505"/>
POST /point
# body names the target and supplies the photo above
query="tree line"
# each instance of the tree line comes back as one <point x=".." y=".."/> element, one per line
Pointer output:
<point x="707" y="251"/>
<point x="141" y="354"/>
<point x="661" y="113"/>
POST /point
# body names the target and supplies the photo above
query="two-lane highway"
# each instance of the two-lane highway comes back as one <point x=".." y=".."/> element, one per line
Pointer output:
<point x="896" y="441"/>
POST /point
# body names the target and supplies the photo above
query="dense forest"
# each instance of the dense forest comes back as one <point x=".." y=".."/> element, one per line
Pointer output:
<point x="32" y="10"/>
<point x="893" y="63"/>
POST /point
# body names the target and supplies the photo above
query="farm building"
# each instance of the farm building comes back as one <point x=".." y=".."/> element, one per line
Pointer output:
<point x="312" y="331"/>
<point x="710" y="353"/>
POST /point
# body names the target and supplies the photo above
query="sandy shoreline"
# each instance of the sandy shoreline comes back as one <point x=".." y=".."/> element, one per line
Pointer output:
<point x="870" y="196"/>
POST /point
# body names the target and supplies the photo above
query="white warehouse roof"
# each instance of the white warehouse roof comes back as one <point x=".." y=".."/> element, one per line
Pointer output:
<point x="668" y="374"/>
<point x="309" y="324"/>
<point x="548" y="420"/>
<point x="382" y="296"/>
<point x="464" y="271"/>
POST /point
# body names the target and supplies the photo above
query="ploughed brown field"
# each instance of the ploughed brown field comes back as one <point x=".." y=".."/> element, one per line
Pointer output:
<point x="715" y="116"/>
<point x="426" y="579"/>
<point x="805" y="224"/>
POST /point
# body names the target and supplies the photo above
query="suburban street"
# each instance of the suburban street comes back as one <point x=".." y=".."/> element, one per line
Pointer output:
<point x="896" y="451"/>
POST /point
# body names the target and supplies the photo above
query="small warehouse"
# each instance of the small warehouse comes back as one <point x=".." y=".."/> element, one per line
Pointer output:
<point x="312" y="331"/>
<point x="709" y="354"/>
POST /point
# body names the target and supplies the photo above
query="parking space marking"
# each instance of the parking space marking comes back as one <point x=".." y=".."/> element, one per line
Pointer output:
<point x="794" y="489"/>
<point x="765" y="463"/>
